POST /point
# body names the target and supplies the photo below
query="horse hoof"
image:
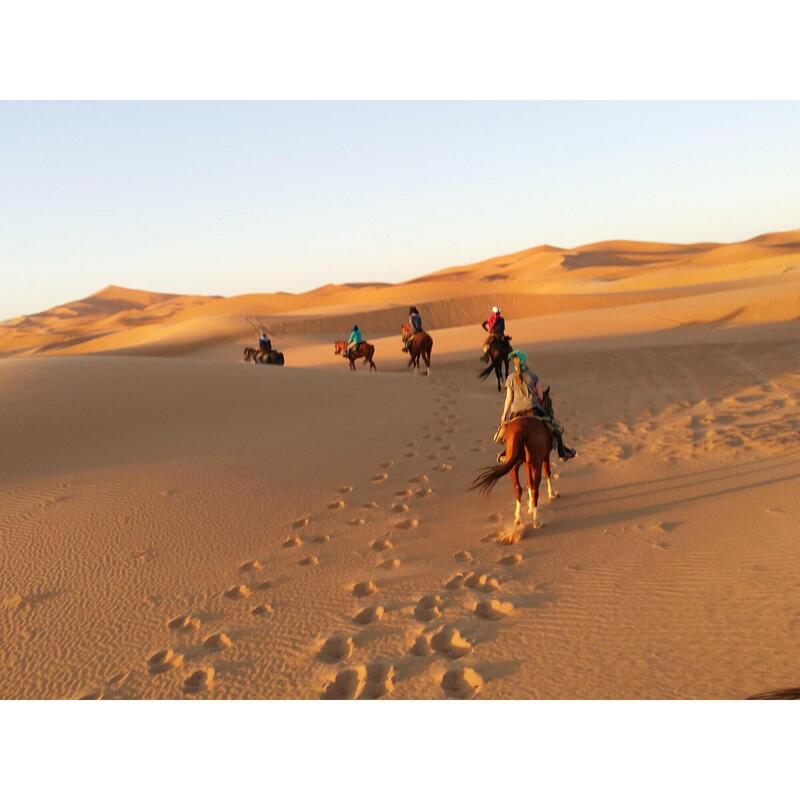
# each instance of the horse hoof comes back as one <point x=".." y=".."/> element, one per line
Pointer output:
<point x="554" y="497"/>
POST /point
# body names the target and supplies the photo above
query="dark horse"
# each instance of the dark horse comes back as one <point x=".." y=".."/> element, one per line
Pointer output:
<point x="262" y="357"/>
<point x="526" y="439"/>
<point x="419" y="346"/>
<point x="364" y="350"/>
<point x="497" y="356"/>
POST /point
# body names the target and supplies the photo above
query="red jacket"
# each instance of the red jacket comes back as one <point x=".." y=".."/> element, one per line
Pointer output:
<point x="495" y="321"/>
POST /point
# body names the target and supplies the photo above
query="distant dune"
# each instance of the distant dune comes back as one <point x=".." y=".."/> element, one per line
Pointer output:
<point x="540" y="281"/>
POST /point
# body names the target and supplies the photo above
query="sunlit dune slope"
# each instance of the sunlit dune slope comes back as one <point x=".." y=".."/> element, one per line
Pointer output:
<point x="540" y="281"/>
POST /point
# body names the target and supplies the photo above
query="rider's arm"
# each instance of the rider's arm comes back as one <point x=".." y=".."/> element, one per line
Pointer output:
<point x="483" y="325"/>
<point x="506" y="405"/>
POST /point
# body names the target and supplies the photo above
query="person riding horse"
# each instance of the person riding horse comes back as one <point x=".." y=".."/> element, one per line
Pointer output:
<point x="355" y="339"/>
<point x="264" y="344"/>
<point x="496" y="326"/>
<point x="415" y="323"/>
<point x="525" y="398"/>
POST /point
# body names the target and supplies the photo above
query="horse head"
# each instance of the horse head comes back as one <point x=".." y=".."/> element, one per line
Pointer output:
<point x="339" y="347"/>
<point x="405" y="329"/>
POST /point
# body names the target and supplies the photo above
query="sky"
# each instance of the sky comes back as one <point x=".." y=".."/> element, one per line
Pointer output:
<point x="232" y="198"/>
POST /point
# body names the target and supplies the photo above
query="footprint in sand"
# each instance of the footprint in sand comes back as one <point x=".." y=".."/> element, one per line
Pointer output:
<point x="357" y="521"/>
<point x="399" y="508"/>
<point x="263" y="586"/>
<point x="184" y="624"/>
<point x="379" y="478"/>
<point x="379" y="681"/>
<point x="164" y="660"/>
<point x="463" y="555"/>
<point x="370" y="505"/>
<point x="94" y="694"/>
<point x="390" y="563"/>
<point x="217" y="641"/>
<point x="382" y="544"/>
<point x="293" y="541"/>
<point x="455" y="582"/>
<point x="301" y="523"/>
<point x="493" y="609"/>
<point x="432" y="457"/>
<point x="364" y="589"/>
<point x="445" y="468"/>
<point x="421" y="646"/>
<point x="346" y="489"/>
<point x="237" y="592"/>
<point x="263" y="610"/>
<point x="494" y="517"/>
<point x="461" y="683"/>
<point x="365" y="682"/>
<point x="308" y="561"/>
<point x="428" y="608"/>
<point x="368" y="615"/>
<point x="251" y="566"/>
<point x="406" y="524"/>
<point x="336" y="504"/>
<point x="448" y="640"/>
<point x="511" y="560"/>
<point x="410" y="455"/>
<point x="346" y="685"/>
<point x="411" y="444"/>
<point x="419" y="479"/>
<point x="336" y="648"/>
<point x="426" y="436"/>
<point x="482" y="582"/>
<point x="424" y="492"/>
<point x="321" y="538"/>
<point x="404" y="493"/>
<point x="199" y="680"/>
<point x="387" y="464"/>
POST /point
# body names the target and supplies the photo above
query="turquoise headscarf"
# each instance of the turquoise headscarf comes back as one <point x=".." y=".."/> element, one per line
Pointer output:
<point x="523" y="358"/>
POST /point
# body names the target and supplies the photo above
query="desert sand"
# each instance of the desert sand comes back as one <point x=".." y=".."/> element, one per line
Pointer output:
<point x="175" y="523"/>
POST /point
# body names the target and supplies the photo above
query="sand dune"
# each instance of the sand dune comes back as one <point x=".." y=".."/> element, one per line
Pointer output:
<point x="540" y="281"/>
<point x="190" y="526"/>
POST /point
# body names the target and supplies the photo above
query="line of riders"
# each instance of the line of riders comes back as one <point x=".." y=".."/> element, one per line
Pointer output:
<point x="525" y="394"/>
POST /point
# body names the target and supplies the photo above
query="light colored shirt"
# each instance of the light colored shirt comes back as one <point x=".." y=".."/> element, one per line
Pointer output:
<point x="524" y="397"/>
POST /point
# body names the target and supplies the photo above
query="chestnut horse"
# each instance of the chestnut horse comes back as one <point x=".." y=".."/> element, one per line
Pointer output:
<point x="419" y="346"/>
<point x="526" y="439"/>
<point x="364" y="350"/>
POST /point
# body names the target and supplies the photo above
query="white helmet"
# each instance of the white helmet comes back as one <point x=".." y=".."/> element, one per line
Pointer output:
<point x="495" y="310"/>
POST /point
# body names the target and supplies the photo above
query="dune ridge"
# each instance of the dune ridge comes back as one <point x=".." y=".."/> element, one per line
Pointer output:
<point x="538" y="281"/>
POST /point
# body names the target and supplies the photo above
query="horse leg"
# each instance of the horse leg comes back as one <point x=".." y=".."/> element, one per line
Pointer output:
<point x="533" y="493"/>
<point x="517" y="495"/>
<point x="552" y="494"/>
<point x="499" y="372"/>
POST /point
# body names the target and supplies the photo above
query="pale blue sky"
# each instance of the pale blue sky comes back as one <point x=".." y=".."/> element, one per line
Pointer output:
<point x="228" y="198"/>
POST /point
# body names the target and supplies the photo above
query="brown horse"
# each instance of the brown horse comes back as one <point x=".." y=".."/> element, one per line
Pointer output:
<point x="261" y="357"/>
<point x="497" y="356"/>
<point x="526" y="439"/>
<point x="364" y="350"/>
<point x="419" y="346"/>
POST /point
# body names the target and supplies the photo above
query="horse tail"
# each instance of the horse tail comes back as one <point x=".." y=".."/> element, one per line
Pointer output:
<point x="487" y="478"/>
<point x="484" y="374"/>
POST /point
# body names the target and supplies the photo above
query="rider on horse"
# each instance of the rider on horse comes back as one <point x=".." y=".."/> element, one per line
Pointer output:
<point x="496" y="326"/>
<point x="525" y="398"/>
<point x="355" y="339"/>
<point x="414" y="323"/>
<point x="264" y="344"/>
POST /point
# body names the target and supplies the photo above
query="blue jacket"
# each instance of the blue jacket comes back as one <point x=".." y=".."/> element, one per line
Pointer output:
<point x="355" y="337"/>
